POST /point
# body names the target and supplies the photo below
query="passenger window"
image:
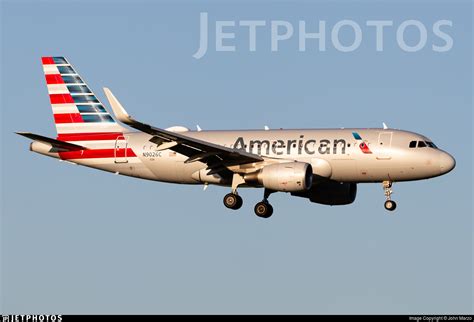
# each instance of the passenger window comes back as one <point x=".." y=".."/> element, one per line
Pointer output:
<point x="413" y="144"/>
<point x="421" y="144"/>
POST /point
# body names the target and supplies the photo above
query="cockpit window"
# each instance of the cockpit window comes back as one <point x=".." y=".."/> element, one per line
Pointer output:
<point x="421" y="144"/>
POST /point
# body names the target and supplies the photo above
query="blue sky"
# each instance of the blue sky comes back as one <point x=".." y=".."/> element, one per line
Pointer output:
<point x="76" y="240"/>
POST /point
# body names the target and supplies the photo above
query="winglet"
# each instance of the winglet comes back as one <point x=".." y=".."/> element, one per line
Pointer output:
<point x="120" y="113"/>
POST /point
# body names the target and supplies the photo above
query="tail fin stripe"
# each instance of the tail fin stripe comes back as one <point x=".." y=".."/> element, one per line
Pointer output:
<point x="54" y="79"/>
<point x="89" y="136"/>
<point x="47" y="60"/>
<point x="57" y="89"/>
<point x="50" y="69"/>
<point x="87" y="127"/>
<point x="64" y="108"/>
<point x="68" y="118"/>
<point x="84" y="99"/>
<point x="60" y="60"/>
<point x="97" y="118"/>
<point x="66" y="70"/>
<point x="77" y="89"/>
<point x="97" y="153"/>
<point x="91" y="108"/>
<point x="72" y="80"/>
<point x="60" y="98"/>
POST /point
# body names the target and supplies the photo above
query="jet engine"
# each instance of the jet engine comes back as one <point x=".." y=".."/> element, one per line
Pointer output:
<point x="287" y="177"/>
<point x="330" y="193"/>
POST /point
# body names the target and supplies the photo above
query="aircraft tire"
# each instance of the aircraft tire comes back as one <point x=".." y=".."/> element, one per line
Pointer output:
<point x="263" y="209"/>
<point x="233" y="201"/>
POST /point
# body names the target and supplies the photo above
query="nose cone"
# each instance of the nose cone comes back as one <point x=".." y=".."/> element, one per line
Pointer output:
<point x="446" y="163"/>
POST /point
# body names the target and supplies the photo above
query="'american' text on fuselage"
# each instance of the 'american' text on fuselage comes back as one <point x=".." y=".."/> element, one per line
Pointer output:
<point x="299" y="146"/>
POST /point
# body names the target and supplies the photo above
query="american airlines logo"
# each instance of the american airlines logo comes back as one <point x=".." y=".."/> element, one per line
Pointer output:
<point x="362" y="144"/>
<point x="298" y="146"/>
<point x="318" y="35"/>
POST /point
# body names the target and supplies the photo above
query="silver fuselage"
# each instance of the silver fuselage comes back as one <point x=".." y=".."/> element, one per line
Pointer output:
<point x="389" y="158"/>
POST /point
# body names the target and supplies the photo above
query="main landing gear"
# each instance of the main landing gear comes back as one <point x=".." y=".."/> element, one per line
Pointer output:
<point x="390" y="205"/>
<point x="233" y="201"/>
<point x="263" y="209"/>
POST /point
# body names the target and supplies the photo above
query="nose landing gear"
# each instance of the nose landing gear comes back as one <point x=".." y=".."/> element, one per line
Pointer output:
<point x="390" y="205"/>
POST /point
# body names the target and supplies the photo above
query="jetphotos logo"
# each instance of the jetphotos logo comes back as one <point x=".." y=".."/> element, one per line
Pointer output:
<point x="410" y="35"/>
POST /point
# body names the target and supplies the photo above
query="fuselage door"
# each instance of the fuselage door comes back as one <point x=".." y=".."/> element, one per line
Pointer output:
<point x="384" y="146"/>
<point x="120" y="151"/>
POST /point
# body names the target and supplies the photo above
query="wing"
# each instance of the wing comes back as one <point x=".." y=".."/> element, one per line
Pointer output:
<point x="217" y="157"/>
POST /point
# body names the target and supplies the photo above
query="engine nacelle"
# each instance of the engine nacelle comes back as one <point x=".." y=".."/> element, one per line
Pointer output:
<point x="330" y="193"/>
<point x="287" y="177"/>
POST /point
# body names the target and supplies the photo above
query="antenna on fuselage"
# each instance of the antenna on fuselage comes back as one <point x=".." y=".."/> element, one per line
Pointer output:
<point x="385" y="127"/>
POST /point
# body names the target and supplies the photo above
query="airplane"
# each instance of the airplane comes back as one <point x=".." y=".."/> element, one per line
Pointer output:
<point x="321" y="165"/>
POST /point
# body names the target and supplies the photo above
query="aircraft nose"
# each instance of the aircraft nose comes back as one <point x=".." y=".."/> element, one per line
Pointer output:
<point x="446" y="163"/>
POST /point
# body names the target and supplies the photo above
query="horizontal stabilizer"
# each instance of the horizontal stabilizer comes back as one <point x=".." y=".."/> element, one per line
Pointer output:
<point x="59" y="145"/>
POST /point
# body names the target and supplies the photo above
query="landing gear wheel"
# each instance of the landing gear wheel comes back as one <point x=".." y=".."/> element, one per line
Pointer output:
<point x="263" y="209"/>
<point x="390" y="205"/>
<point x="233" y="201"/>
